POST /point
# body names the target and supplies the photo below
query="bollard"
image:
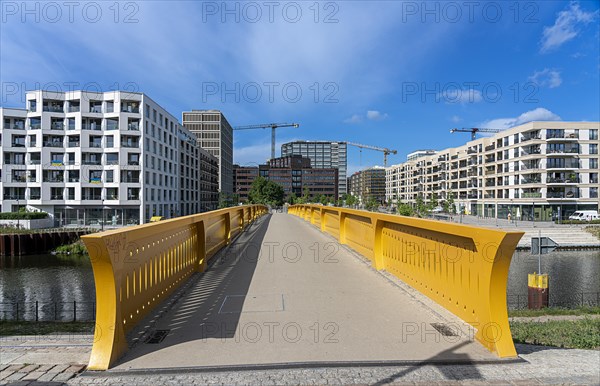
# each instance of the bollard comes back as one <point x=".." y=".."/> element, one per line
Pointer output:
<point x="537" y="291"/>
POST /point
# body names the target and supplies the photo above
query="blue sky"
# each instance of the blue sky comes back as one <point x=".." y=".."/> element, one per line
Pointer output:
<point x="384" y="73"/>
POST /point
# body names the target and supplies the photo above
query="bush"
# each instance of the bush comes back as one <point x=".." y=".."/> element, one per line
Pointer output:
<point x="22" y="215"/>
<point x="76" y="248"/>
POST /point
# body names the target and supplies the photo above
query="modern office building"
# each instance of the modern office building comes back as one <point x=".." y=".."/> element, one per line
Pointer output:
<point x="215" y="134"/>
<point x="535" y="171"/>
<point x="209" y="181"/>
<point x="368" y="184"/>
<point x="113" y="158"/>
<point x="243" y="176"/>
<point x="323" y="155"/>
<point x="294" y="173"/>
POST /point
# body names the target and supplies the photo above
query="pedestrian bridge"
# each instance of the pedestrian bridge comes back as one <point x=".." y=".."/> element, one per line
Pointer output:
<point x="316" y="285"/>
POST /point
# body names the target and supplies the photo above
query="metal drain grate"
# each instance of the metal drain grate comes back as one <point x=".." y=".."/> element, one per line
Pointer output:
<point x="444" y="329"/>
<point x="157" y="336"/>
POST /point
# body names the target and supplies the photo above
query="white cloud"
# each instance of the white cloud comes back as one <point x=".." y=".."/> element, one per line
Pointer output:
<point x="461" y="96"/>
<point x="564" y="28"/>
<point x="354" y="119"/>
<point x="539" y="114"/>
<point x="546" y="78"/>
<point x="376" y="115"/>
<point x="456" y="119"/>
<point x="372" y="115"/>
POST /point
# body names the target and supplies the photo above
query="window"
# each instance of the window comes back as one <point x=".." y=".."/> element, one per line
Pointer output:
<point x="593" y="148"/>
<point x="593" y="133"/>
<point x="110" y="141"/>
<point x="593" y="163"/>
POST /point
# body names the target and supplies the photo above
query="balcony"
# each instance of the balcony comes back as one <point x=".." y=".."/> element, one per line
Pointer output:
<point x="92" y="197"/>
<point x="130" y="107"/>
<point x="53" y="179"/>
<point x="57" y="197"/>
<point x="53" y="144"/>
<point x="35" y="126"/>
<point x="130" y="144"/>
<point x="53" y="107"/>
<point x="96" y="144"/>
<point x="73" y="144"/>
<point x="560" y="194"/>
<point x="91" y="162"/>
<point x="133" y="197"/>
<point x="91" y="126"/>
<point x="562" y="136"/>
<point x="57" y="126"/>
<point x="35" y="196"/>
<point x="14" y="196"/>
<point x="532" y="195"/>
<point x="18" y="144"/>
<point x="563" y="180"/>
<point x="133" y="126"/>
<point x="97" y="109"/>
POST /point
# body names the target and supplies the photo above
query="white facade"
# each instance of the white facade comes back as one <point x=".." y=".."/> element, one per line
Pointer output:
<point x="90" y="158"/>
<point x="537" y="171"/>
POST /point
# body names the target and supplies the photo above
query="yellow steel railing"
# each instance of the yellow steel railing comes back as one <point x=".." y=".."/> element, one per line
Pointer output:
<point x="462" y="268"/>
<point x="136" y="268"/>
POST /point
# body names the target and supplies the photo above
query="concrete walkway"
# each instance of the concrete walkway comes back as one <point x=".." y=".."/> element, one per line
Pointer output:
<point x="568" y="236"/>
<point x="286" y="293"/>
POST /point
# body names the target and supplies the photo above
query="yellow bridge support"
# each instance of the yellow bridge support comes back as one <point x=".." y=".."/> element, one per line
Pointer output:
<point x="462" y="268"/>
<point x="136" y="268"/>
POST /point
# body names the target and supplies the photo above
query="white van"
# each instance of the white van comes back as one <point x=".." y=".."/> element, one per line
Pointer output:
<point x="585" y="215"/>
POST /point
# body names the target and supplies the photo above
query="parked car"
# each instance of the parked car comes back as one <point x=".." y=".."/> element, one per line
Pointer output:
<point x="585" y="215"/>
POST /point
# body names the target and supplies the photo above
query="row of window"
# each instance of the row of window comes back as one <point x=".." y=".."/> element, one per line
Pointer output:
<point x="69" y="193"/>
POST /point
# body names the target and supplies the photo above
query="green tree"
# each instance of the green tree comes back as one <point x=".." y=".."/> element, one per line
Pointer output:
<point x="351" y="201"/>
<point x="450" y="203"/>
<point x="421" y="207"/>
<point x="372" y="204"/>
<point x="263" y="191"/>
<point x="225" y="200"/>
<point x="405" y="210"/>
<point x="291" y="198"/>
<point x="434" y="202"/>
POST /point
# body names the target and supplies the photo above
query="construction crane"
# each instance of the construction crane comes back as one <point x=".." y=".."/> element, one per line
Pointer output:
<point x="385" y="150"/>
<point x="273" y="126"/>
<point x="474" y="130"/>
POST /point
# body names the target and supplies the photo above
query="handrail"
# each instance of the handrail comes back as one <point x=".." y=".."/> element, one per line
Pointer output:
<point x="462" y="268"/>
<point x="136" y="268"/>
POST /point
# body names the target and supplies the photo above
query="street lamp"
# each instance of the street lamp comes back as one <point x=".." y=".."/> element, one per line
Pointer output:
<point x="102" y="219"/>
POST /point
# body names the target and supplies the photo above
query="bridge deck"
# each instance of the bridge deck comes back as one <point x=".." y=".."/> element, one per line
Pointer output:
<point x="293" y="305"/>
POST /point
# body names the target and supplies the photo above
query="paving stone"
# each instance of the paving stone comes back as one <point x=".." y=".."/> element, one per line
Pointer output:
<point x="63" y="377"/>
<point x="5" y="374"/>
<point x="29" y="368"/>
<point x="16" y="367"/>
<point x="33" y="376"/>
<point x="15" y="377"/>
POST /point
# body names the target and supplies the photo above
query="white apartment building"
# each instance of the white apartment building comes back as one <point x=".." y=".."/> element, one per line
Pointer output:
<point x="536" y="171"/>
<point x="86" y="158"/>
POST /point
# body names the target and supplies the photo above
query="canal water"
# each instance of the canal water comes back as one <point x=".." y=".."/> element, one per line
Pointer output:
<point x="55" y="283"/>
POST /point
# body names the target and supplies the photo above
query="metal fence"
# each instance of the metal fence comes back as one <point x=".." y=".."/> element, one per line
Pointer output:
<point x="576" y="299"/>
<point x="48" y="311"/>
